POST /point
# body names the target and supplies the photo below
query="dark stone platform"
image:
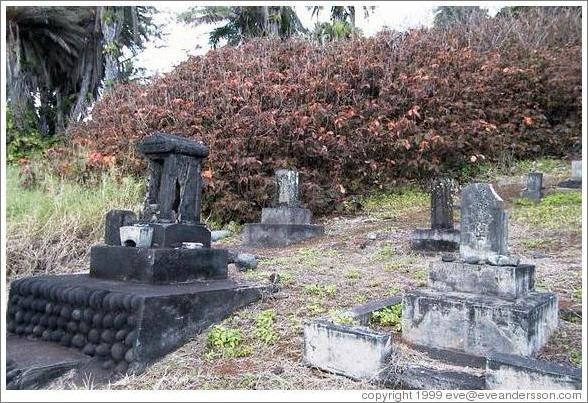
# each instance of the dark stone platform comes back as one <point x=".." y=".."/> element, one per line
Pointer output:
<point x="157" y="265"/>
<point x="126" y="325"/>
<point x="269" y="235"/>
<point x="477" y="324"/>
<point x="570" y="184"/>
<point x="435" y="240"/>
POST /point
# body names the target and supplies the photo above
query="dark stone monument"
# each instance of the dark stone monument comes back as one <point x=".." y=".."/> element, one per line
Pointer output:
<point x="534" y="189"/>
<point x="575" y="182"/>
<point x="441" y="236"/>
<point x="149" y="290"/>
<point x="486" y="300"/>
<point x="285" y="223"/>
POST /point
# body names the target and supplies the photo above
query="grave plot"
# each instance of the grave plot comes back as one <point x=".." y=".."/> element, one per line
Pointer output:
<point x="287" y="222"/>
<point x="155" y="284"/>
<point x="478" y="325"/>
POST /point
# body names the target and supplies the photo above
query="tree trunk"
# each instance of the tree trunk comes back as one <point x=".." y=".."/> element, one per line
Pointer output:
<point x="17" y="87"/>
<point x="351" y="15"/>
<point x="273" y="21"/>
<point x="59" y="115"/>
<point x="112" y="19"/>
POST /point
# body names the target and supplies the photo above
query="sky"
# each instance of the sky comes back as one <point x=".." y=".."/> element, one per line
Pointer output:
<point x="180" y="40"/>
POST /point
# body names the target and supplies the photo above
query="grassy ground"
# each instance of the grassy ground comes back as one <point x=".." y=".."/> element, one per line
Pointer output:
<point x="51" y="225"/>
<point x="260" y="347"/>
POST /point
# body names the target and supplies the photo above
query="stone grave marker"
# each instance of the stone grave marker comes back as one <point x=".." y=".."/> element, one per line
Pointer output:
<point x="441" y="236"/>
<point x="534" y="189"/>
<point x="286" y="222"/>
<point x="484" y="224"/>
<point x="137" y="303"/>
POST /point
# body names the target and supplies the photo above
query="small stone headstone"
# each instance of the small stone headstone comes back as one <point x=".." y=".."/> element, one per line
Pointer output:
<point x="484" y="223"/>
<point x="442" y="204"/>
<point x="287" y="188"/>
<point x="577" y="171"/>
<point x="534" y="189"/>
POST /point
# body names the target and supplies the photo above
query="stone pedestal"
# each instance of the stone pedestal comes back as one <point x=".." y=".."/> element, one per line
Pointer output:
<point x="478" y="324"/>
<point x="157" y="265"/>
<point x="441" y="236"/>
<point x="285" y="224"/>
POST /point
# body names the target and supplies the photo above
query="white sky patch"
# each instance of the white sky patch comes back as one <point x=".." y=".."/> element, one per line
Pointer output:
<point x="179" y="40"/>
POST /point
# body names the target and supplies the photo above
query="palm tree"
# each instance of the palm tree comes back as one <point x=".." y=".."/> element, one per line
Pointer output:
<point x="43" y="46"/>
<point x="244" y="22"/>
<point x="342" y="13"/>
<point x="446" y="16"/>
<point x="58" y="56"/>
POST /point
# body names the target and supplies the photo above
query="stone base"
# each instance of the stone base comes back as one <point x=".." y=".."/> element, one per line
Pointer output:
<point x="509" y="282"/>
<point x="570" y="184"/>
<point x="435" y="240"/>
<point x="532" y="195"/>
<point x="478" y="324"/>
<point x="285" y="215"/>
<point x="157" y="265"/>
<point x="269" y="235"/>
<point x="125" y="325"/>
<point x="355" y="352"/>
<point x="504" y="371"/>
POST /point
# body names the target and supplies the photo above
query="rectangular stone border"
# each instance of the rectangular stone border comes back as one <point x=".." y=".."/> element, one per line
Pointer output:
<point x="529" y="373"/>
<point x="376" y="345"/>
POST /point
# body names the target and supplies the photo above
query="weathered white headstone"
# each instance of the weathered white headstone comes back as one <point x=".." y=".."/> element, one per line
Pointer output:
<point x="287" y="188"/>
<point x="484" y="225"/>
<point x="577" y="171"/>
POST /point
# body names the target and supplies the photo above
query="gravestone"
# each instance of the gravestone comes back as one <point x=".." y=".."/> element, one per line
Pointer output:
<point x="575" y="182"/>
<point x="148" y="291"/>
<point x="441" y="236"/>
<point x="285" y="223"/>
<point x="484" y="224"/>
<point x="287" y="188"/>
<point x="485" y="301"/>
<point x="534" y="189"/>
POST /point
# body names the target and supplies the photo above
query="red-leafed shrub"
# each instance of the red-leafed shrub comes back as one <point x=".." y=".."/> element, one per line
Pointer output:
<point x="351" y="116"/>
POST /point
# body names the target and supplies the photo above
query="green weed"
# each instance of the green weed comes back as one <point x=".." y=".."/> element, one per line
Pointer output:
<point x="389" y="317"/>
<point x="265" y="327"/>
<point x="225" y="342"/>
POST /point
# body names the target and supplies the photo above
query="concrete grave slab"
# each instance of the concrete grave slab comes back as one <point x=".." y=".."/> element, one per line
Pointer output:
<point x="355" y="351"/>
<point x="506" y="371"/>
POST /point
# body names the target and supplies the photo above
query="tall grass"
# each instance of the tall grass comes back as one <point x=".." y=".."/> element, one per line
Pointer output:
<point x="51" y="226"/>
